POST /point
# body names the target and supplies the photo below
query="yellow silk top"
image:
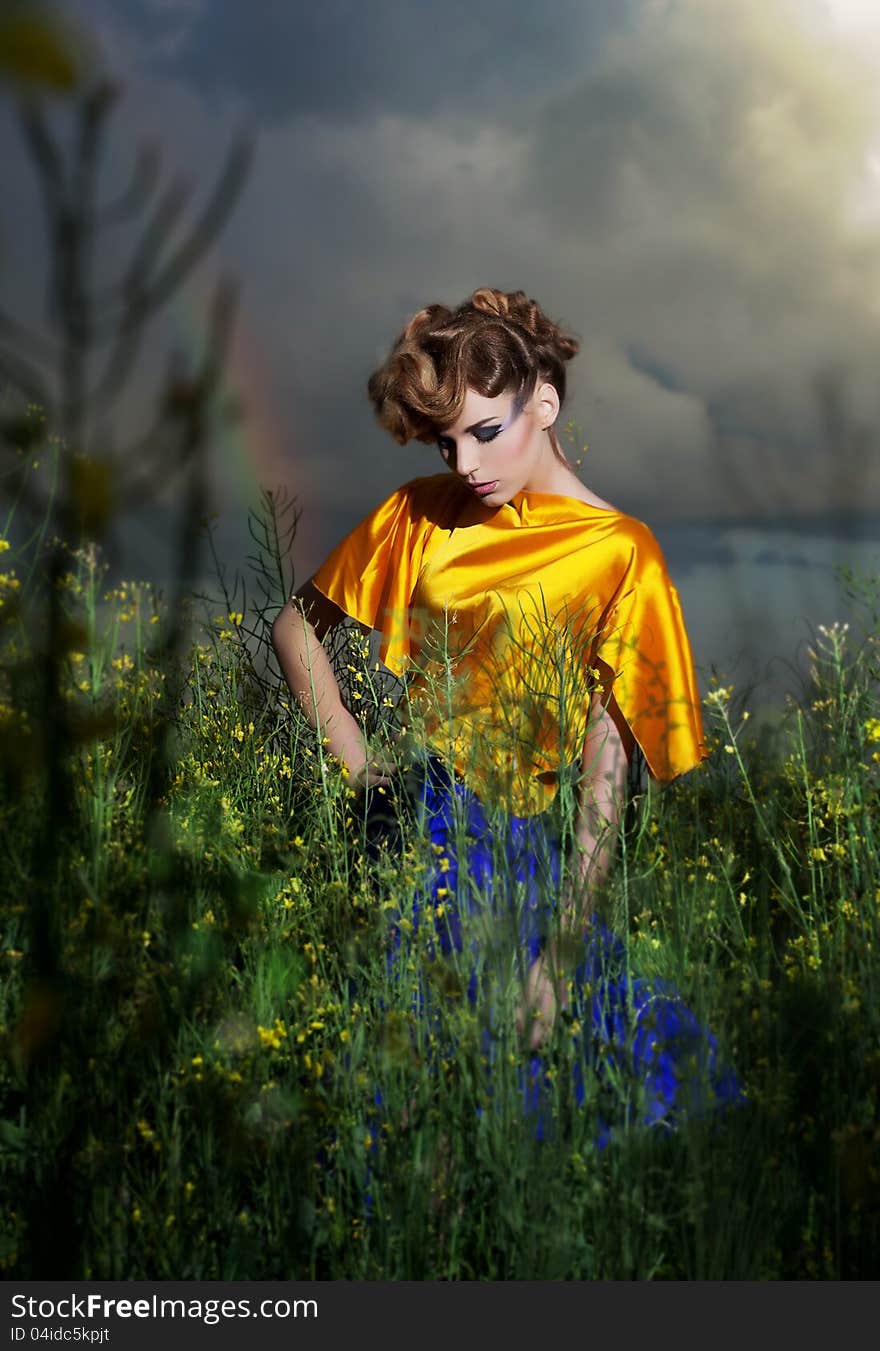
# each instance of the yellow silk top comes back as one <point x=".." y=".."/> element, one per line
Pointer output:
<point x="508" y="618"/>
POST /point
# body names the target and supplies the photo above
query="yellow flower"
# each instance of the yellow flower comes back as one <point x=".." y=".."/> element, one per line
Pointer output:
<point x="872" y="729"/>
<point x="272" y="1036"/>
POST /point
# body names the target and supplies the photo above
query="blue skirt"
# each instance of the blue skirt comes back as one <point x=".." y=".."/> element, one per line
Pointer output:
<point x="634" y="1036"/>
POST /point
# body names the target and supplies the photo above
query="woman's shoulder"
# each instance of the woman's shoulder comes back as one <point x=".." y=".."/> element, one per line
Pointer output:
<point x="631" y="538"/>
<point x="638" y="545"/>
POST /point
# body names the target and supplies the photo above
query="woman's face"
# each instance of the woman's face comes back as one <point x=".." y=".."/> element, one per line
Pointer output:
<point x="495" y="442"/>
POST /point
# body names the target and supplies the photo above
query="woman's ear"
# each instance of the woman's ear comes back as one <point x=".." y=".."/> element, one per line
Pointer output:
<point x="548" y="405"/>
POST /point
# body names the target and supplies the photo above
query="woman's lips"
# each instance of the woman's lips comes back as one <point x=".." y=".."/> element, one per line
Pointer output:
<point x="483" y="490"/>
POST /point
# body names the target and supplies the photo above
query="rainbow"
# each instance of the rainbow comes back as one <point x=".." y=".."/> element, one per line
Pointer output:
<point x="254" y="451"/>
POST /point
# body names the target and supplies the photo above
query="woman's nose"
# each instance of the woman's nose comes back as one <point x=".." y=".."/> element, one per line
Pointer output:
<point x="467" y="462"/>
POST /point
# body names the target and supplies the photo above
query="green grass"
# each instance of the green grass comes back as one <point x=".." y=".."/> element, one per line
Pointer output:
<point x="195" y="1011"/>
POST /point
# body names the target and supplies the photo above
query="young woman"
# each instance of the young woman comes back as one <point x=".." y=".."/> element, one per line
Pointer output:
<point x="544" y="646"/>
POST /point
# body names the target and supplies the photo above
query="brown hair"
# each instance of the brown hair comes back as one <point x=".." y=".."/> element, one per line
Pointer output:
<point x="493" y="342"/>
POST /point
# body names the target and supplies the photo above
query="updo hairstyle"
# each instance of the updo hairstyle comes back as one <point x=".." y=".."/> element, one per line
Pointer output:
<point x="493" y="342"/>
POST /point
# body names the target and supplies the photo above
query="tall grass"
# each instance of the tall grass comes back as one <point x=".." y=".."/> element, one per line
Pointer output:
<point x="209" y="1069"/>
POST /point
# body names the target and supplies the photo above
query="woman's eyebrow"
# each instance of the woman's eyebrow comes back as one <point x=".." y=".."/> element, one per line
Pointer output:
<point x="474" y="425"/>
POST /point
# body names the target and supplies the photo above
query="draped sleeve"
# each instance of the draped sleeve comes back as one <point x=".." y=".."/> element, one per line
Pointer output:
<point x="372" y="572"/>
<point x="644" y="657"/>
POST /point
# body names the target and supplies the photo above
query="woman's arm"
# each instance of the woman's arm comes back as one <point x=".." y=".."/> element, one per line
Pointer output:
<point x="604" y="762"/>
<point x="605" y="758"/>
<point x="297" y="635"/>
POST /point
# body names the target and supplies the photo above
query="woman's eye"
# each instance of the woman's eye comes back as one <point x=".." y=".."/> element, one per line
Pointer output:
<point x="482" y="434"/>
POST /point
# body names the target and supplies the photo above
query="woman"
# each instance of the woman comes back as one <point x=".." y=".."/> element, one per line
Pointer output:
<point x="543" y="643"/>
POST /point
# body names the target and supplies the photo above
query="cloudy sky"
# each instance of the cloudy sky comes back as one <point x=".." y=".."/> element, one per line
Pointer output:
<point x="692" y="187"/>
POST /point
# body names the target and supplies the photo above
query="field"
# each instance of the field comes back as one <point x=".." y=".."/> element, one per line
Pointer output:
<point x="196" y="1012"/>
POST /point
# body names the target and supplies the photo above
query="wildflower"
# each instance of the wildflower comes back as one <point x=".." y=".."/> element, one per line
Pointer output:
<point x="272" y="1037"/>
<point x="872" y="729"/>
<point x="4" y="545"/>
<point x="819" y="854"/>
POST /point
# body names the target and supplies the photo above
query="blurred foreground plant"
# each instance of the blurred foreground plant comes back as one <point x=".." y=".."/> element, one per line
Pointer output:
<point x="87" y="723"/>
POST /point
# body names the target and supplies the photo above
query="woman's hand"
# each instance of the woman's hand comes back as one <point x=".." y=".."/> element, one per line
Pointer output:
<point x="374" y="771"/>
<point x="543" y="998"/>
